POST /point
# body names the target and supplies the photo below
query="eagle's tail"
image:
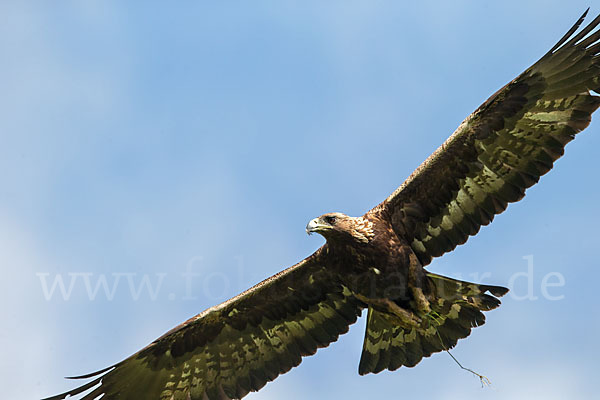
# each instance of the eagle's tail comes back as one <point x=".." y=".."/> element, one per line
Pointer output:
<point x="456" y="307"/>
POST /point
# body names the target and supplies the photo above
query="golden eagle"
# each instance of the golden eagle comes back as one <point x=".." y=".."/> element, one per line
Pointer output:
<point x="377" y="261"/>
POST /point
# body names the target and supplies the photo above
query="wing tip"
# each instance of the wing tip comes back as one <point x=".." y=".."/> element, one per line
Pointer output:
<point x="76" y="391"/>
<point x="91" y="374"/>
<point x="84" y="387"/>
<point x="569" y="33"/>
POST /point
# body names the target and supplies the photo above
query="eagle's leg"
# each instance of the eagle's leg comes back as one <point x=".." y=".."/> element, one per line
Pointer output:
<point x="407" y="317"/>
<point x="415" y="271"/>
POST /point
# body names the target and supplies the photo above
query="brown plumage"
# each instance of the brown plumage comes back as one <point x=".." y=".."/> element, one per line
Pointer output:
<point x="376" y="261"/>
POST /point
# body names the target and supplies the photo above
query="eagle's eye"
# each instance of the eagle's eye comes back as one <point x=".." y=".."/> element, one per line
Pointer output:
<point x="330" y="219"/>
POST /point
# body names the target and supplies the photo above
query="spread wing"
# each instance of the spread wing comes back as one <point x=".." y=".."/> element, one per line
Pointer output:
<point x="501" y="149"/>
<point x="238" y="346"/>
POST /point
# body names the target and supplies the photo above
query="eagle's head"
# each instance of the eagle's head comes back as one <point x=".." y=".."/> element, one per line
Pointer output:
<point x="338" y="226"/>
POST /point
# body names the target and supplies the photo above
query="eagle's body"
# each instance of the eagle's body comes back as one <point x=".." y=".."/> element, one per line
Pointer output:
<point x="371" y="259"/>
<point x="377" y="261"/>
<point x="428" y="313"/>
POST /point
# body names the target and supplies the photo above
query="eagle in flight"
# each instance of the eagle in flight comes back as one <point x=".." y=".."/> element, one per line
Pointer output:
<point x="377" y="261"/>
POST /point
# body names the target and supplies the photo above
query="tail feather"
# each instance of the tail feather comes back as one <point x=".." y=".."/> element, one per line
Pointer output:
<point x="456" y="308"/>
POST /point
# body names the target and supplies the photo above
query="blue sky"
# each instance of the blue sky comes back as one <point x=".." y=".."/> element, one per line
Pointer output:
<point x="141" y="142"/>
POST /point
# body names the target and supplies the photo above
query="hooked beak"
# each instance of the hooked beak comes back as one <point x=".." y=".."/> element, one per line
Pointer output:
<point x="314" y="225"/>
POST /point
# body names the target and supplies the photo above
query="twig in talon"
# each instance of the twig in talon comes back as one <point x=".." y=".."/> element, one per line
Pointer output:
<point x="485" y="381"/>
